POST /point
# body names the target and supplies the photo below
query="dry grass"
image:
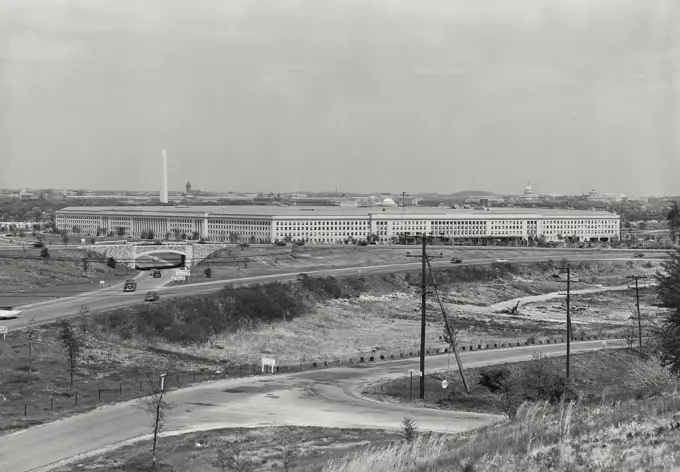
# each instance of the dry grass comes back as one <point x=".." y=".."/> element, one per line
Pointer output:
<point x="621" y="436"/>
<point x="44" y="389"/>
<point x="195" y="452"/>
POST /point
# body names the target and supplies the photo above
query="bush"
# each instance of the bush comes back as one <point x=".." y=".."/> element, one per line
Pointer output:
<point x="496" y="379"/>
<point x="538" y="380"/>
<point x="194" y="320"/>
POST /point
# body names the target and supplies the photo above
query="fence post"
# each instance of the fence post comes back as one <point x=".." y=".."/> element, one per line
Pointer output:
<point x="99" y="392"/>
<point x="177" y="379"/>
<point x="140" y="385"/>
<point x="194" y="376"/>
<point x="120" y="388"/>
<point x="76" y="398"/>
<point x="51" y="403"/>
<point x="25" y="409"/>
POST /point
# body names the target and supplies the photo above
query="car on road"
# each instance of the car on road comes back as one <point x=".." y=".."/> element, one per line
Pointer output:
<point x="156" y="274"/>
<point x="9" y="313"/>
<point x="151" y="297"/>
<point x="280" y="243"/>
<point x="501" y="260"/>
<point x="302" y="277"/>
<point x="455" y="260"/>
<point x="639" y="254"/>
<point x="130" y="286"/>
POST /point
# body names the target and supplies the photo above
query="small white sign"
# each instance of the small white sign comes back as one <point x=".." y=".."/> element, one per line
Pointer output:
<point x="3" y="330"/>
<point x="182" y="272"/>
<point x="268" y="362"/>
<point x="445" y="384"/>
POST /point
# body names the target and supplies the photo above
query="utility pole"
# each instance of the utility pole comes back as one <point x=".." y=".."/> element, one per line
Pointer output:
<point x="637" y="300"/>
<point x="568" y="268"/>
<point x="450" y="331"/>
<point x="424" y="258"/>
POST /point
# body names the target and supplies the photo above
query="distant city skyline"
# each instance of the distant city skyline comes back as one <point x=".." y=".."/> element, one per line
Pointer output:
<point x="435" y="96"/>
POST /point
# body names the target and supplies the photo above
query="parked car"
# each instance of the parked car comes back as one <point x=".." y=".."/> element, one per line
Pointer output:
<point x="455" y="260"/>
<point x="156" y="274"/>
<point x="151" y="297"/>
<point x="639" y="254"/>
<point x="130" y="286"/>
<point x="302" y="277"/>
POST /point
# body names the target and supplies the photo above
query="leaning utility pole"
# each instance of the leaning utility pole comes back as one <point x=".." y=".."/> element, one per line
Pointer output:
<point x="450" y="331"/>
<point x="637" y="300"/>
<point x="568" y="268"/>
<point x="423" y="291"/>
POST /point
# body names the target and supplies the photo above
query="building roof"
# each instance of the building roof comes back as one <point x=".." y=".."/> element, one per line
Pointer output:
<point x="196" y="211"/>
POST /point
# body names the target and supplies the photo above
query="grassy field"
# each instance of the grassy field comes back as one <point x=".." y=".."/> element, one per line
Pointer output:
<point x="268" y="448"/>
<point x="597" y="375"/>
<point x="26" y="278"/>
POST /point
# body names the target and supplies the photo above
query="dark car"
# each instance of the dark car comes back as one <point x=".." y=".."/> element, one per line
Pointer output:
<point x="151" y="297"/>
<point x="302" y="277"/>
<point x="639" y="254"/>
<point x="156" y="274"/>
<point x="130" y="286"/>
<point x="280" y="243"/>
<point x="455" y="260"/>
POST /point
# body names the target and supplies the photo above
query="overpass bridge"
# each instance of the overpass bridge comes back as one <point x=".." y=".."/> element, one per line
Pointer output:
<point x="192" y="253"/>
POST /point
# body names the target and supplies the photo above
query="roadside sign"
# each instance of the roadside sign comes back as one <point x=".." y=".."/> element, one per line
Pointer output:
<point x="4" y="331"/>
<point x="445" y="384"/>
<point x="182" y="272"/>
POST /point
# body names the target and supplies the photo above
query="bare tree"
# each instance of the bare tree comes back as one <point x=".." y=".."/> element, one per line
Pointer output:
<point x="158" y="408"/>
<point x="72" y="345"/>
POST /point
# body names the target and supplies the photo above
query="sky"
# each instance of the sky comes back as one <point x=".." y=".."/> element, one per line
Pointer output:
<point x="362" y="95"/>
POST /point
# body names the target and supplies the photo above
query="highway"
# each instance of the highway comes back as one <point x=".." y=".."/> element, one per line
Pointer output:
<point x="114" y="297"/>
<point x="324" y="398"/>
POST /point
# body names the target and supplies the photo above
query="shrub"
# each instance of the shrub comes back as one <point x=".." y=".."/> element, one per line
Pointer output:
<point x="496" y="379"/>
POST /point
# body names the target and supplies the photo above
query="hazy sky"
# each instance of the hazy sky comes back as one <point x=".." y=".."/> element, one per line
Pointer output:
<point x="366" y="95"/>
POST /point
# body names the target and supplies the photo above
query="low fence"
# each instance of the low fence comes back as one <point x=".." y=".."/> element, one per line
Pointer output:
<point x="109" y="391"/>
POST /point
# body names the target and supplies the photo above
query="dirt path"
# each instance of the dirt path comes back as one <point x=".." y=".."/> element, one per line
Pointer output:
<point x="552" y="295"/>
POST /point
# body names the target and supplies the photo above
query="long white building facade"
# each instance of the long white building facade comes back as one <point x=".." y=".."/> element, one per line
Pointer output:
<point x="331" y="225"/>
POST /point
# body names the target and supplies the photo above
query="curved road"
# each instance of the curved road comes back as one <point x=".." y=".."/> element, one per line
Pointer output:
<point x="326" y="398"/>
<point x="114" y="297"/>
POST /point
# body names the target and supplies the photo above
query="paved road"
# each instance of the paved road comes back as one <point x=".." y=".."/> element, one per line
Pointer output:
<point x="326" y="398"/>
<point x="114" y="297"/>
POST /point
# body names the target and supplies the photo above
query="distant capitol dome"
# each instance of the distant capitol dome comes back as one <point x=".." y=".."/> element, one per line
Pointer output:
<point x="388" y="202"/>
<point x="528" y="190"/>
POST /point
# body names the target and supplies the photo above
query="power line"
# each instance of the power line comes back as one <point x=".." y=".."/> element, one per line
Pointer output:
<point x="450" y="331"/>
<point x="637" y="300"/>
<point x="424" y="258"/>
<point x="568" y="268"/>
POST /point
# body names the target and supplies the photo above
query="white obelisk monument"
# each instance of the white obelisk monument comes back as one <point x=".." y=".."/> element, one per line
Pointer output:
<point x="164" y="188"/>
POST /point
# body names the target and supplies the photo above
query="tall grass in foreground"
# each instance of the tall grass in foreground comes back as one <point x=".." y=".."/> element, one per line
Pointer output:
<point x="395" y="457"/>
<point x="621" y="436"/>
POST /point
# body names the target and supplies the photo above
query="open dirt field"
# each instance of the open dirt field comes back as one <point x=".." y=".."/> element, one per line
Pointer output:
<point x="387" y="316"/>
<point x="196" y="452"/>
